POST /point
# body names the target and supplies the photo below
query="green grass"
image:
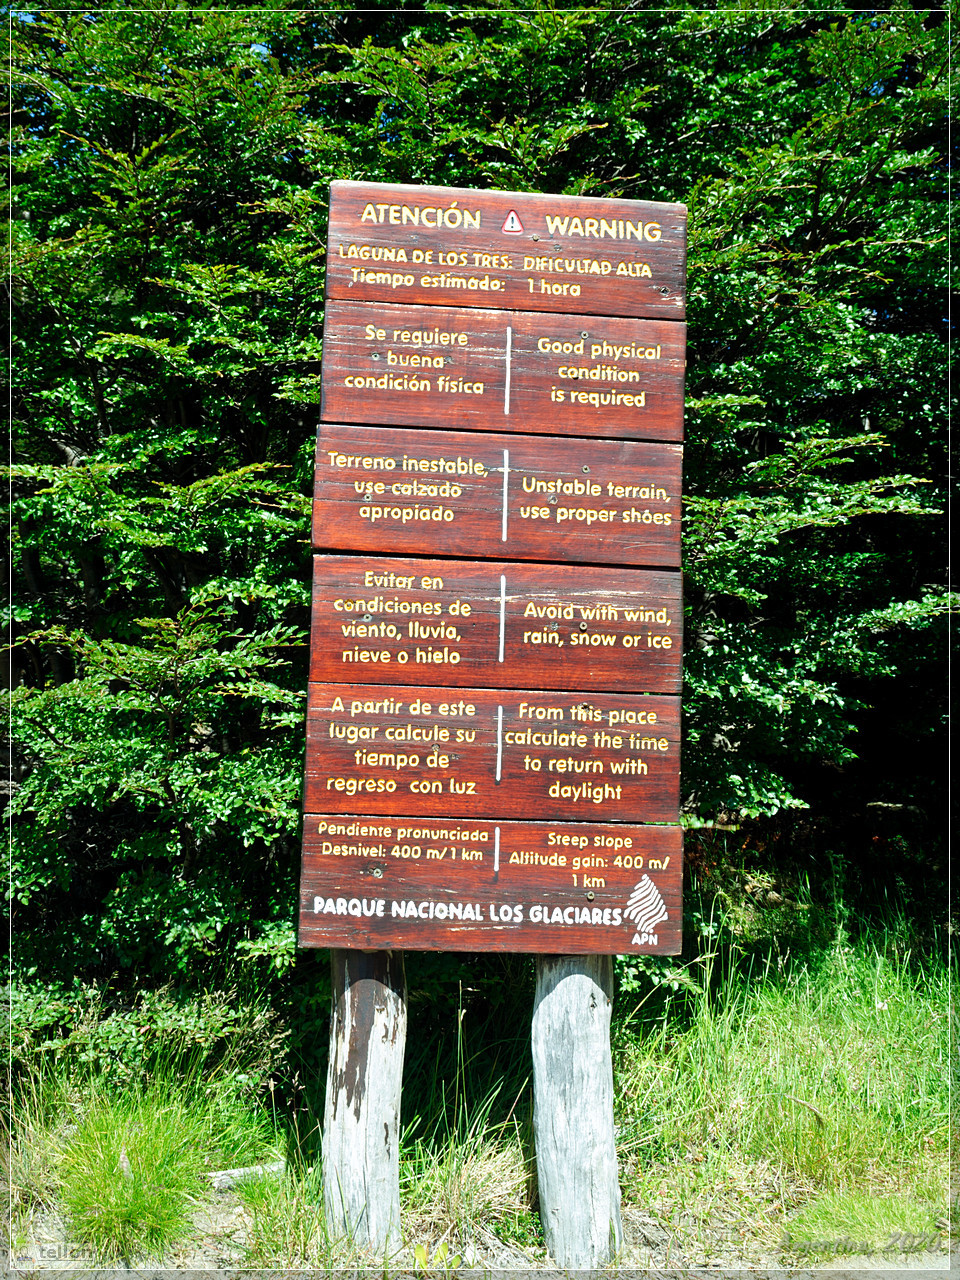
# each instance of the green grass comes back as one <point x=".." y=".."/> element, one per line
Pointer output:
<point x="788" y="1111"/>
<point x="125" y="1164"/>
<point x="466" y="1159"/>
<point x="30" y="1153"/>
<point x="131" y="1174"/>
<point x="469" y="1173"/>
<point x="285" y="1222"/>
<point x="826" y="1075"/>
<point x="838" y="1223"/>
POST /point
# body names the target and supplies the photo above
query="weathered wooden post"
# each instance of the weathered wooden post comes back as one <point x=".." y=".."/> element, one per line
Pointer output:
<point x="493" y="741"/>
<point x="573" y="1110"/>
<point x="361" y="1158"/>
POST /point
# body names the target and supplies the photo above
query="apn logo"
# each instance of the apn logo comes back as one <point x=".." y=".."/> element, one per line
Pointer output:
<point x="512" y="226"/>
<point x="646" y="908"/>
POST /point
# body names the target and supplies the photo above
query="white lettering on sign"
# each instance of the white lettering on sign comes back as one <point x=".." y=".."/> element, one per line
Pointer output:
<point x="497" y="913"/>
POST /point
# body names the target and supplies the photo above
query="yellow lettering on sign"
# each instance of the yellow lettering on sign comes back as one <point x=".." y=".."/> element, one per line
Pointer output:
<point x="431" y="216"/>
<point x="600" y="229"/>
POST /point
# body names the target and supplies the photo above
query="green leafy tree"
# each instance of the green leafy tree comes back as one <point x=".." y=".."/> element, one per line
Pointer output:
<point x="160" y="512"/>
<point x="171" y="170"/>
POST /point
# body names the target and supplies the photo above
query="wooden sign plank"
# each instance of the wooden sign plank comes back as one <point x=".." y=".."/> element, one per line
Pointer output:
<point x="449" y="884"/>
<point x="495" y="625"/>
<point x="397" y="489"/>
<point x="503" y="371"/>
<point x="492" y="753"/>
<point x="455" y="247"/>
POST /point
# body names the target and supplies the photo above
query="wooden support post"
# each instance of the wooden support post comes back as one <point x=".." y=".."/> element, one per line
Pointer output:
<point x="573" y="1110"/>
<point x="361" y="1159"/>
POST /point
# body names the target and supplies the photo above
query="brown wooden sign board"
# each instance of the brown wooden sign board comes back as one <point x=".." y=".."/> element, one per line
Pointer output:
<point x="510" y="317"/>
<point x="463" y="248"/>
<point x="454" y="884"/>
<point x="401" y="490"/>
<point x="503" y="371"/>
<point x="390" y="749"/>
<point x="545" y="336"/>
<point x="492" y="624"/>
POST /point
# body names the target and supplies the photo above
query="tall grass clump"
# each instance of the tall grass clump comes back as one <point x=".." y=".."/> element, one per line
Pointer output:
<point x="469" y="1172"/>
<point x="285" y="1225"/>
<point x="33" y="1133"/>
<point x="466" y="1163"/>
<point x="120" y="1153"/>
<point x="131" y="1173"/>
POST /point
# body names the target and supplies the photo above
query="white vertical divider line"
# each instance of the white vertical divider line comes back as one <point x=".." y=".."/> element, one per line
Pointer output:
<point x="496" y="850"/>
<point x="506" y="486"/>
<point x="499" y="741"/>
<point x="503" y="611"/>
<point x="506" y="385"/>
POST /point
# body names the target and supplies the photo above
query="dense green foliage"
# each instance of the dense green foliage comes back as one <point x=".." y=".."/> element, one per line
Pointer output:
<point x="171" y="169"/>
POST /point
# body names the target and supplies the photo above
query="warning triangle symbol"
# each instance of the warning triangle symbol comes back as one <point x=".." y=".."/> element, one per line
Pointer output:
<point x="513" y="226"/>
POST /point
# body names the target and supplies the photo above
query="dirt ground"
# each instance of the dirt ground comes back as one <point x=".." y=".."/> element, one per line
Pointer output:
<point x="218" y="1249"/>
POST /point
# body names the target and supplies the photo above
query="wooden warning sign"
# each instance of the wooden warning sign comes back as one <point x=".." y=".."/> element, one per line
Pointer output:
<point x="493" y="743"/>
<point x="389" y="749"/>
<point x="444" y="246"/>
<point x="473" y="885"/>
<point x="504" y="625"/>
<point x="527" y="498"/>
<point x="501" y="370"/>
<point x="493" y="712"/>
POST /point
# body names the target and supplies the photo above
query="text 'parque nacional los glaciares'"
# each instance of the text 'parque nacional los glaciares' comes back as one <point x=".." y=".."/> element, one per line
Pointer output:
<point x="493" y="722"/>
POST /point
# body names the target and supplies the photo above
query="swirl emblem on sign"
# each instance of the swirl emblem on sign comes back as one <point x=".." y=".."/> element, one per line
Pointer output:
<point x="645" y="906"/>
